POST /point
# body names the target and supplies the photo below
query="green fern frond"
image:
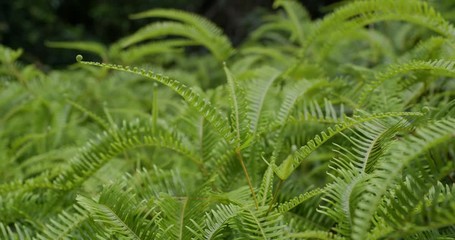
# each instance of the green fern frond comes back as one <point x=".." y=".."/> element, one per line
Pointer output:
<point x="436" y="67"/>
<point x="401" y="154"/>
<point x="297" y="14"/>
<point x="432" y="48"/>
<point x="65" y="224"/>
<point x="15" y="232"/>
<point x="102" y="149"/>
<point x="203" y="106"/>
<point x="290" y="204"/>
<point x="293" y="160"/>
<point x="180" y="212"/>
<point x="139" y="52"/>
<point x="216" y="221"/>
<point x="265" y="195"/>
<point x="257" y="94"/>
<point x="261" y="224"/>
<point x="238" y="108"/>
<point x="103" y="123"/>
<point x="361" y="13"/>
<point x="121" y="215"/>
<point x="219" y="46"/>
<point x="201" y="23"/>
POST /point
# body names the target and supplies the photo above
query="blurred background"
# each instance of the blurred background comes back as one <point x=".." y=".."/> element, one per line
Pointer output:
<point x="28" y="24"/>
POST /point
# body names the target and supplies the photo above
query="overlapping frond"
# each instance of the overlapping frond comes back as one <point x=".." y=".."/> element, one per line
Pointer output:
<point x="293" y="160"/>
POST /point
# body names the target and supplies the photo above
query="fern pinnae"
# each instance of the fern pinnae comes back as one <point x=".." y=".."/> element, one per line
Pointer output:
<point x="389" y="170"/>
<point x="257" y="93"/>
<point x="437" y="67"/>
<point x="292" y="203"/>
<point x="293" y="160"/>
<point x="16" y="231"/>
<point x="105" y="125"/>
<point x="295" y="12"/>
<point x="361" y="13"/>
<point x="201" y="23"/>
<point x="204" y="106"/>
<point x="240" y="127"/>
<point x="65" y="223"/>
<point x="111" y="143"/>
<point x="218" y="46"/>
<point x="116" y="210"/>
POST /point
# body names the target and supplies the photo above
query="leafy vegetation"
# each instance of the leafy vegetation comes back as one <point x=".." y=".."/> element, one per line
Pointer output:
<point x="339" y="128"/>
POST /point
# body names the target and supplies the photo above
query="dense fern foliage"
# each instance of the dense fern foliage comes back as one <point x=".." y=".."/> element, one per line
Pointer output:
<point x="338" y="128"/>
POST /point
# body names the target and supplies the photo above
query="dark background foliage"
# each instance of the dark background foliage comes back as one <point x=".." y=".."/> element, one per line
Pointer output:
<point x="29" y="24"/>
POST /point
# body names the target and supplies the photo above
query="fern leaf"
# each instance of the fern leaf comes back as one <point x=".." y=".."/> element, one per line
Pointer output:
<point x="15" y="232"/>
<point x="119" y="212"/>
<point x="294" y="160"/>
<point x="220" y="47"/>
<point x="201" y="23"/>
<point x="290" y="204"/>
<point x="296" y="13"/>
<point x="257" y="94"/>
<point x="238" y="107"/>
<point x="111" y="143"/>
<point x="216" y="220"/>
<point x="437" y="67"/>
<point x="71" y="224"/>
<point x="388" y="171"/>
<point x="260" y="224"/>
<point x="361" y="13"/>
<point x="209" y="112"/>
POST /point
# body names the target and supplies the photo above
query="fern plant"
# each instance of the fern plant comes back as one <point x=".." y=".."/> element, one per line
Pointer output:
<point x="338" y="128"/>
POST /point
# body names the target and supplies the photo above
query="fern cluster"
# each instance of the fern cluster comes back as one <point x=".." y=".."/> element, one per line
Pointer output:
<point x="338" y="128"/>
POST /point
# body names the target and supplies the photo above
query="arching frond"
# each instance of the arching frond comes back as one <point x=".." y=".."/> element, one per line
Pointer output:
<point x="361" y="13"/>
<point x="292" y="161"/>
<point x="437" y="67"/>
<point x="219" y="46"/>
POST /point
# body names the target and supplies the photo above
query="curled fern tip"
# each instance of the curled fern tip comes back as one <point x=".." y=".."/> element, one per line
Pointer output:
<point x="79" y="58"/>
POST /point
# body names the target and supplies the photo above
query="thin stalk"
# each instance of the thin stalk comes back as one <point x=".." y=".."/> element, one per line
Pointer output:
<point x="240" y="157"/>
<point x="154" y="108"/>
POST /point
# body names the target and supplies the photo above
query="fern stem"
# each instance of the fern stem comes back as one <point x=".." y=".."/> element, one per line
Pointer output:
<point x="154" y="107"/>
<point x="240" y="157"/>
<point x="275" y="195"/>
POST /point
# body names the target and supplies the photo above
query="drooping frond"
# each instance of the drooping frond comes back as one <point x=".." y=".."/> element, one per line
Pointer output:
<point x="361" y="13"/>
<point x="192" y="98"/>
<point x="193" y="27"/>
<point x="201" y="23"/>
